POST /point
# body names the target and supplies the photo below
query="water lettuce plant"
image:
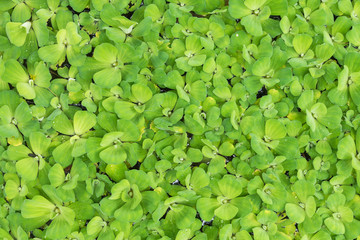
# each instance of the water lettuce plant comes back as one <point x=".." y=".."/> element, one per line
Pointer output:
<point x="180" y="119"/>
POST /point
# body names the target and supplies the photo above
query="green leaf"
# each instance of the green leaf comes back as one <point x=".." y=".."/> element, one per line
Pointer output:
<point x="63" y="125"/>
<point x="125" y="110"/>
<point x="9" y="130"/>
<point x="222" y="92"/>
<point x="182" y="94"/>
<point x="278" y="7"/>
<point x="261" y="67"/>
<point x="130" y="130"/>
<point x="106" y="53"/>
<point x="125" y="213"/>
<point x="17" y="32"/>
<point x="252" y="25"/>
<point x="42" y="75"/>
<point x="27" y="168"/>
<point x="274" y="129"/>
<point x="11" y="189"/>
<point x="226" y="149"/>
<point x="108" y="77"/>
<point x="58" y="229"/>
<point x="95" y="225"/>
<point x="152" y="11"/>
<point x="324" y="51"/>
<point x="335" y="200"/>
<point x="62" y="154"/>
<point x="25" y="90"/>
<point x="206" y="207"/>
<point x="198" y="90"/>
<point x="318" y="17"/>
<point x="230" y="187"/>
<point x="185" y="217"/>
<point x="354" y="89"/>
<point x="52" y="53"/>
<point x="199" y="179"/>
<point x="7" y="4"/>
<point x="310" y="206"/>
<point x="303" y="189"/>
<point x="78" y="5"/>
<point x="141" y="92"/>
<point x="346" y="214"/>
<point x="109" y="138"/>
<point x="295" y="212"/>
<point x="38" y="206"/>
<point x="321" y="235"/>
<point x="79" y="168"/>
<point x="72" y="35"/>
<point x="335" y="226"/>
<point x="113" y="154"/>
<point x="253" y="5"/>
<point x="266" y="217"/>
<point x="226" y="211"/>
<point x="197" y="60"/>
<point x="312" y="224"/>
<point x="14" y="73"/>
<point x="351" y="60"/>
<point x="260" y="234"/>
<point x="56" y="175"/>
<point x="302" y="43"/>
<point x="5" y="235"/>
<point x="332" y="118"/>
<point x="237" y="9"/>
<point x="83" y="122"/>
<point x="346" y="148"/>
<point x="21" y="13"/>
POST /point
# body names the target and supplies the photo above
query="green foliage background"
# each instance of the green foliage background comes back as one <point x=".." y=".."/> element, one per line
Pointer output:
<point x="180" y="119"/>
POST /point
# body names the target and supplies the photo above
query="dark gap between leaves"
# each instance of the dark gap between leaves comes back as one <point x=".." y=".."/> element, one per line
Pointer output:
<point x="189" y="135"/>
<point x="208" y="223"/>
<point x="30" y="102"/>
<point x="72" y="10"/>
<point x="261" y="92"/>
<point x="229" y="158"/>
<point x="47" y="223"/>
<point x="334" y="59"/>
<point x="131" y="4"/>
<point x="276" y="38"/>
<point x="164" y="216"/>
<point x="162" y="90"/>
<point x="128" y="15"/>
<point x="194" y="14"/>
<point x="90" y="54"/>
<point x="67" y="169"/>
<point x="78" y="105"/>
<point x="65" y="64"/>
<point x="275" y="17"/>
<point x="54" y="74"/>
<point x="48" y="23"/>
<point x="196" y="164"/>
<point x="229" y="82"/>
<point x="177" y="182"/>
<point x="24" y="62"/>
<point x="306" y="156"/>
<point x="136" y="166"/>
